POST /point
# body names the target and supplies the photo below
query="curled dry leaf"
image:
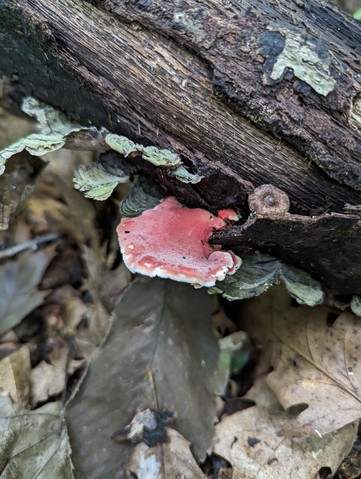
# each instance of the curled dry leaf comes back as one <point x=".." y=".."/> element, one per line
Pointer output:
<point x="316" y="365"/>
<point x="251" y="441"/>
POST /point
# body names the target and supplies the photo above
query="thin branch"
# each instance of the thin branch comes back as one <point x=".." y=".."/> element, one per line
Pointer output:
<point x="32" y="245"/>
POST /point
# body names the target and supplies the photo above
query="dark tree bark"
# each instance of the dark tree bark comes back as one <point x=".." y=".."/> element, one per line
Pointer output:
<point x="249" y="93"/>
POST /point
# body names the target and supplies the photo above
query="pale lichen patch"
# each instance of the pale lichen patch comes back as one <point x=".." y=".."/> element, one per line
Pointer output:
<point x="301" y="53"/>
<point x="189" y="22"/>
<point x="355" y="112"/>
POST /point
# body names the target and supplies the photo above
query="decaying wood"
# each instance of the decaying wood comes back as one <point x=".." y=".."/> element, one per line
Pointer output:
<point x="248" y="92"/>
<point x="329" y="245"/>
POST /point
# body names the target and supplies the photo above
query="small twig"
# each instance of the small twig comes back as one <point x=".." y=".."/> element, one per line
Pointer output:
<point x="32" y="245"/>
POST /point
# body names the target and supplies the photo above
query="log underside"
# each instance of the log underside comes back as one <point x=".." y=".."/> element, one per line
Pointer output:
<point x="267" y="93"/>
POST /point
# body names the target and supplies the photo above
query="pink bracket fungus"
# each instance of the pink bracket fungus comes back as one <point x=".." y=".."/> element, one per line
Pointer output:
<point x="171" y="241"/>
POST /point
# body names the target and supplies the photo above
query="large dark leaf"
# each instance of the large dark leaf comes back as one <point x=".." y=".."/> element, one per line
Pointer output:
<point x="160" y="353"/>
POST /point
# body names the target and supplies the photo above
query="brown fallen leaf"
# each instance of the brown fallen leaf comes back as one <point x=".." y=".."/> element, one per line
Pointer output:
<point x="221" y="322"/>
<point x="61" y="319"/>
<point x="66" y="268"/>
<point x="18" y="286"/>
<point x="33" y="444"/>
<point x="55" y="206"/>
<point x="316" y="366"/>
<point x="8" y="346"/>
<point x="13" y="127"/>
<point x="72" y="309"/>
<point x="49" y="378"/>
<point x="14" y="376"/>
<point x="85" y="323"/>
<point x="171" y="460"/>
<point x="16" y="184"/>
<point x="21" y="171"/>
<point x="251" y="441"/>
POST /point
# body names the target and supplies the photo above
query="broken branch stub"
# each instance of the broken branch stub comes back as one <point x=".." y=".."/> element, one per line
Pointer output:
<point x="268" y="200"/>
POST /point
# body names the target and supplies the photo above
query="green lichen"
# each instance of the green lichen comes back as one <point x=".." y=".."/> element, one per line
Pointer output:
<point x="183" y="175"/>
<point x="228" y="346"/>
<point x="301" y="55"/>
<point x="356" y="305"/>
<point x="50" y="120"/>
<point x="36" y="144"/>
<point x="55" y="130"/>
<point x="258" y="272"/>
<point x="97" y="182"/>
<point x="301" y="286"/>
<point x="156" y="156"/>
<point x="188" y="21"/>
<point x="122" y="144"/>
<point x="162" y="157"/>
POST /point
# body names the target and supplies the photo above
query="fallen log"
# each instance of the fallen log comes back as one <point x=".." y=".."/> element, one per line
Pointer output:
<point x="248" y="94"/>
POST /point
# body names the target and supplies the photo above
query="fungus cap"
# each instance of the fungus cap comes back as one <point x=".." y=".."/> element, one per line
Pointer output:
<point x="171" y="241"/>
